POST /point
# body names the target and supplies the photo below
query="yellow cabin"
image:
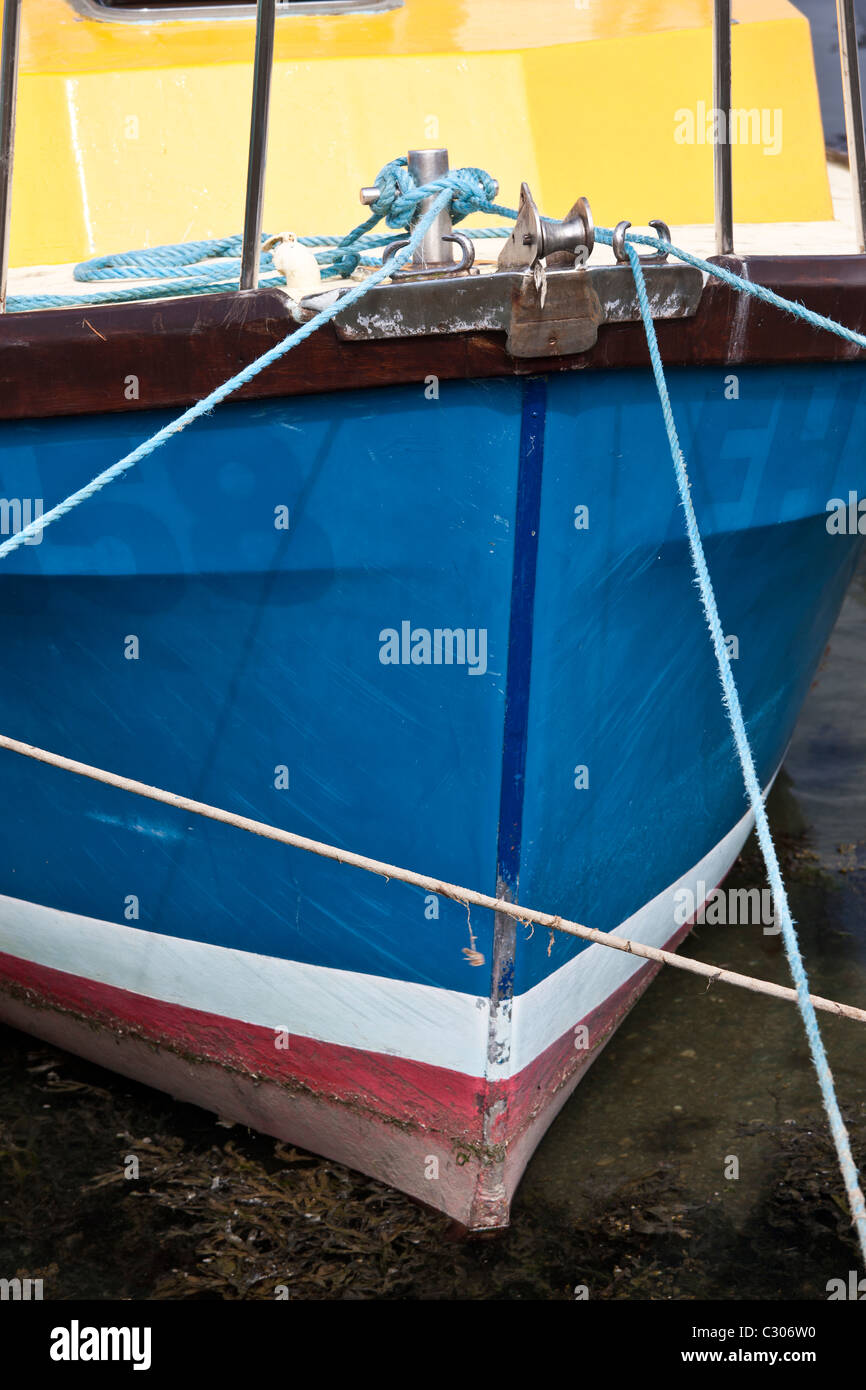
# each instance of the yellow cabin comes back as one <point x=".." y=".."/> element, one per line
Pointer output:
<point x="133" y="121"/>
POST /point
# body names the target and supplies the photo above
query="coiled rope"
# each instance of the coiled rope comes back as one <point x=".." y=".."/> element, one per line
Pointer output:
<point x="471" y="190"/>
<point x="208" y="267"/>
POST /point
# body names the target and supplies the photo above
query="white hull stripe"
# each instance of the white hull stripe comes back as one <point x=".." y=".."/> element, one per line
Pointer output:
<point x="439" y="1027"/>
<point x="547" y="1011"/>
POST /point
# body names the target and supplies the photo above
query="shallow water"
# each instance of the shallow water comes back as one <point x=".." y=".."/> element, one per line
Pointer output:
<point x="693" y="1076"/>
<point x="695" y="1065"/>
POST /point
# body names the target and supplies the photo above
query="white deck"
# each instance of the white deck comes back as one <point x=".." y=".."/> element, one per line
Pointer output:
<point x="836" y="238"/>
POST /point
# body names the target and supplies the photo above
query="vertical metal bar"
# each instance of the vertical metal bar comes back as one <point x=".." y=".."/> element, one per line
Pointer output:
<point x="427" y="165"/>
<point x="849" y="59"/>
<point x="8" y="92"/>
<point x="723" y="195"/>
<point x="266" y="11"/>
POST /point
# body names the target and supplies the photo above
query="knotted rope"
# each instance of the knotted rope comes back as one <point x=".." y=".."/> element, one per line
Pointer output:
<point x="471" y="189"/>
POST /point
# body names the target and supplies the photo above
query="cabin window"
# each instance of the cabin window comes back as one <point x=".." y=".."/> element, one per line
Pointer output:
<point x="142" y="10"/>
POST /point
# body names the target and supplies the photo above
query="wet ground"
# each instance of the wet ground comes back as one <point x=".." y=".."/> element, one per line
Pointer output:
<point x="693" y="1162"/>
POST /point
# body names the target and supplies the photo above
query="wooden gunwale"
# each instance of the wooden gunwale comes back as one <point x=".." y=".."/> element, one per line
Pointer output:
<point x="79" y="360"/>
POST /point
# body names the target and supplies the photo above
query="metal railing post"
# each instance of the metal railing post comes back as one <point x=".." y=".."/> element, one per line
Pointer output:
<point x="8" y="93"/>
<point x="722" y="186"/>
<point x="849" y="59"/>
<point x="266" y="11"/>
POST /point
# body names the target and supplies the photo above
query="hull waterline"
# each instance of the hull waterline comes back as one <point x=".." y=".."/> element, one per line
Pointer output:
<point x="572" y="754"/>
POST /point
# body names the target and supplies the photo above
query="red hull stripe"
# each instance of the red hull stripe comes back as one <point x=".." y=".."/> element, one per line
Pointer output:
<point x="410" y="1092"/>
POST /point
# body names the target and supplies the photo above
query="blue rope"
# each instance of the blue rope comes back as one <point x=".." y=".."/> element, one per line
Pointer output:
<point x="179" y="265"/>
<point x="21" y="304"/>
<point x="148" y="264"/>
<point x="472" y="190"/>
<point x="741" y="739"/>
<point x="183" y="260"/>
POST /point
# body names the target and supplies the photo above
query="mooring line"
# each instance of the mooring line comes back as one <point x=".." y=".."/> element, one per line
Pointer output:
<point x="465" y="896"/>
<point x="731" y="701"/>
<point x="227" y="388"/>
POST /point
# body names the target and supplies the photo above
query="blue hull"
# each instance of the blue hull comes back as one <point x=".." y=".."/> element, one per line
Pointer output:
<point x="477" y="651"/>
<point x="261" y="649"/>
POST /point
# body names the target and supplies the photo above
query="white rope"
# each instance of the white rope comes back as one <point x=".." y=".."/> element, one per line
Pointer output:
<point x="468" y="897"/>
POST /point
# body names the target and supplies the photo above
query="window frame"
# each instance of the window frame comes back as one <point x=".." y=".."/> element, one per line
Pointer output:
<point x="155" y="14"/>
